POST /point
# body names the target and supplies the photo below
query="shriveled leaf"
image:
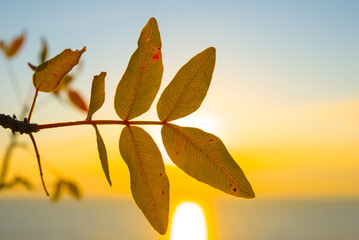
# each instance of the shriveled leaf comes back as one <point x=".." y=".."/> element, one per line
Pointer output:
<point x="73" y="190"/>
<point x="43" y="52"/>
<point x="13" y="48"/>
<point x="62" y="185"/>
<point x="23" y="181"/>
<point x="142" y="79"/>
<point x="31" y="66"/>
<point x="149" y="182"/>
<point x="102" y="154"/>
<point x="97" y="94"/>
<point x="18" y="180"/>
<point x="203" y="156"/>
<point x="189" y="87"/>
<point x="49" y="74"/>
<point x="77" y="100"/>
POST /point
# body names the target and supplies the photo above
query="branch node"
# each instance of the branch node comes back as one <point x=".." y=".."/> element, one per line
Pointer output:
<point x="6" y="121"/>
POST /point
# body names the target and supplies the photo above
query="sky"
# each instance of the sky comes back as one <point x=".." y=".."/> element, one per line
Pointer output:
<point x="284" y="97"/>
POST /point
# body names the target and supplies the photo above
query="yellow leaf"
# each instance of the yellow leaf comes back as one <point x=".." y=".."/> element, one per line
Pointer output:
<point x="142" y="79"/>
<point x="77" y="100"/>
<point x="203" y="156"/>
<point x="189" y="87"/>
<point x="49" y="74"/>
<point x="102" y="154"/>
<point x="149" y="182"/>
<point x="97" y="94"/>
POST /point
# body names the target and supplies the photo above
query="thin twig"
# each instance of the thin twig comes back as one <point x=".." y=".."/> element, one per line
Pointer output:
<point x="39" y="163"/>
<point x="33" y="105"/>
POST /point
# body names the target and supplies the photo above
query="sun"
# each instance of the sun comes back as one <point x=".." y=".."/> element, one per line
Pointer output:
<point x="189" y="223"/>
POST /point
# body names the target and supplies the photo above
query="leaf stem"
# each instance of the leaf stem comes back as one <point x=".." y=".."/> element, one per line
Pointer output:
<point x="33" y="105"/>
<point x="97" y="122"/>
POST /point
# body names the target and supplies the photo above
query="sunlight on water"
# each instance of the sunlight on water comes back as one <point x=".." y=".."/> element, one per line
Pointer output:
<point x="188" y="222"/>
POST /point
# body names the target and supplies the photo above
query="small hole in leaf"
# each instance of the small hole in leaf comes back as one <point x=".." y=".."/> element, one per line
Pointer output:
<point x="234" y="189"/>
<point x="159" y="48"/>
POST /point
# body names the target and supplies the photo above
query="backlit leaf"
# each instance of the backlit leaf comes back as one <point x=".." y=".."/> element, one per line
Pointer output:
<point x="49" y="74"/>
<point x="203" y="156"/>
<point x="97" y="94"/>
<point x="102" y="154"/>
<point x="77" y="100"/>
<point x="142" y="79"/>
<point x="189" y="87"/>
<point x="149" y="182"/>
<point x="13" y="48"/>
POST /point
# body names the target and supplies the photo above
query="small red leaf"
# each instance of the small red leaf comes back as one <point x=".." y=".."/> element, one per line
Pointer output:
<point x="77" y="100"/>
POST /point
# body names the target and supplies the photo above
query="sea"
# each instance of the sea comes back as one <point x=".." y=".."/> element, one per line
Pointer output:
<point x="258" y="219"/>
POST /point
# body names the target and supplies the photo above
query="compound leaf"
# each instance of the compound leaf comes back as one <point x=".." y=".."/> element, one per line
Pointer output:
<point x="49" y="74"/>
<point x="102" y="154"/>
<point x="97" y="94"/>
<point x="142" y="79"/>
<point x="77" y="100"/>
<point x="203" y="156"/>
<point x="189" y="87"/>
<point x="149" y="182"/>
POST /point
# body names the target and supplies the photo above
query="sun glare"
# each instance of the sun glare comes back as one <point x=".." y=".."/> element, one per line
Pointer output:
<point x="188" y="222"/>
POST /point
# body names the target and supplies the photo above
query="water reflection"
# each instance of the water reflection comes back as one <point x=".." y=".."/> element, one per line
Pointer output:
<point x="189" y="223"/>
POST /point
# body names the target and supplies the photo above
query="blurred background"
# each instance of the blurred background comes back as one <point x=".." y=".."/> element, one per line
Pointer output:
<point x="284" y="99"/>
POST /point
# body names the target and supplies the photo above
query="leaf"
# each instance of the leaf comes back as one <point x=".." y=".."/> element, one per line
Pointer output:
<point x="64" y="83"/>
<point x="49" y="74"/>
<point x="203" y="156"/>
<point x="58" y="191"/>
<point x="97" y="94"/>
<point x="102" y="154"/>
<point x="61" y="185"/>
<point x="189" y="87"/>
<point x="149" y="182"/>
<point x="73" y="190"/>
<point x="13" y="48"/>
<point x="43" y="53"/>
<point x="142" y="79"/>
<point x="31" y="66"/>
<point x="77" y="100"/>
